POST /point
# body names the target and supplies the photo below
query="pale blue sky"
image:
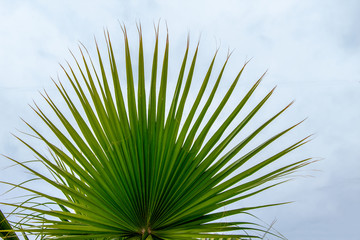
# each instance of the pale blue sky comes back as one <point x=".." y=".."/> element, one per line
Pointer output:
<point x="311" y="50"/>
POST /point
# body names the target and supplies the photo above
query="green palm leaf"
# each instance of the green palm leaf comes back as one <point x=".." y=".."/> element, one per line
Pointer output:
<point x="130" y="169"/>
<point x="6" y="231"/>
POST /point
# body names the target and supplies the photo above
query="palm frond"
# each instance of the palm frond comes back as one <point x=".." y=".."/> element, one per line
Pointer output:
<point x="6" y="230"/>
<point x="130" y="169"/>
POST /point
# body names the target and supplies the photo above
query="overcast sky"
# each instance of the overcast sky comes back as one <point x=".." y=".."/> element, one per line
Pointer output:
<point x="311" y="49"/>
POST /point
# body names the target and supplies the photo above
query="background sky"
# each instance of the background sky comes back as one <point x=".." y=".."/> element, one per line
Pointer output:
<point x="311" y="50"/>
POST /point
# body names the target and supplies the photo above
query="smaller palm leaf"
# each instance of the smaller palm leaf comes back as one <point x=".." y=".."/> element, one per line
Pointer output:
<point x="6" y="231"/>
<point x="130" y="169"/>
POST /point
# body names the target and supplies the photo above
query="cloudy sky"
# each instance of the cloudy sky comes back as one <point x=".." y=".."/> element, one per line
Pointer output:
<point x="311" y="50"/>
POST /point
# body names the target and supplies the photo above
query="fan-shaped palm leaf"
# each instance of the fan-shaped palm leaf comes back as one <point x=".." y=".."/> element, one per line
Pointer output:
<point x="130" y="169"/>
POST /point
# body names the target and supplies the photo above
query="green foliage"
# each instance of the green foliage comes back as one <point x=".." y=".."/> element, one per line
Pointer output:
<point x="130" y="169"/>
<point x="6" y="231"/>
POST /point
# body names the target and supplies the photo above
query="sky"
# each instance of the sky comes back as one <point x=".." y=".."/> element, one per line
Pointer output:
<point x="310" y="50"/>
